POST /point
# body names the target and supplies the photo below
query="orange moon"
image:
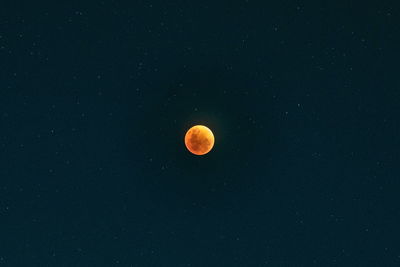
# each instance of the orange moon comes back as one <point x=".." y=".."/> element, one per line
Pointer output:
<point x="199" y="140"/>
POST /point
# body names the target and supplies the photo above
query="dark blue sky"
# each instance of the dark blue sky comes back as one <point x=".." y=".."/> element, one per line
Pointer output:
<point x="303" y="100"/>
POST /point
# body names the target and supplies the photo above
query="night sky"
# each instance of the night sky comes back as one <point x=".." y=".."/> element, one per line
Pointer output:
<point x="303" y="100"/>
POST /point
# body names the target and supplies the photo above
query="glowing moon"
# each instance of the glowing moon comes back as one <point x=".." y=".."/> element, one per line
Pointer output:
<point x="199" y="140"/>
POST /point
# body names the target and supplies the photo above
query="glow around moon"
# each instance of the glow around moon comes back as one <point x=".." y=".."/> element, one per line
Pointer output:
<point x="199" y="140"/>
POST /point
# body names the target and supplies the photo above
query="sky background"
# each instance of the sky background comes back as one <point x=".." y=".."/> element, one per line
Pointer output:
<point x="303" y="100"/>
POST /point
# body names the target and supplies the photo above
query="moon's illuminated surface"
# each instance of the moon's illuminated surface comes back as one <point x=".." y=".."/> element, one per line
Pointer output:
<point x="199" y="140"/>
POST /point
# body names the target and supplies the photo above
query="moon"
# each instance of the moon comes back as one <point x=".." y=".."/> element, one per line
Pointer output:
<point x="199" y="140"/>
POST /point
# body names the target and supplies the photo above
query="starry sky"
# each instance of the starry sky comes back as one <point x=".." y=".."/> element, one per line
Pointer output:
<point x="303" y="100"/>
